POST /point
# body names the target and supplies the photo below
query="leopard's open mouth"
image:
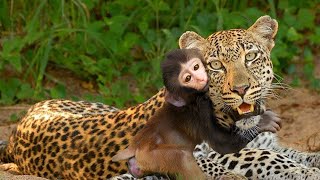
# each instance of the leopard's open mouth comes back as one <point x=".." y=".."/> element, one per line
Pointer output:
<point x="245" y="108"/>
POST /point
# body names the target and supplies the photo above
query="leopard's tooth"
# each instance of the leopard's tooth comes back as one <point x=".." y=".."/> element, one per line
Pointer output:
<point x="240" y="111"/>
<point x="251" y="108"/>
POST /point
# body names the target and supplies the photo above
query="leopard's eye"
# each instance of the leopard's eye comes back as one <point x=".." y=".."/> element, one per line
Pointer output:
<point x="215" y="64"/>
<point x="251" y="56"/>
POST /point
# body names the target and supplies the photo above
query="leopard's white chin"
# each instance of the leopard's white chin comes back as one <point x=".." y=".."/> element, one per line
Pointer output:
<point x="248" y="122"/>
<point x="248" y="127"/>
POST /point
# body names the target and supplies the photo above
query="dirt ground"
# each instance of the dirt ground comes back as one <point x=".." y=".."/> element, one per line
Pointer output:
<point x="299" y="110"/>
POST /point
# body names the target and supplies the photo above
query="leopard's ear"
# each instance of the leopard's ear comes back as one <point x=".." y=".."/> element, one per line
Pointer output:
<point x="191" y="39"/>
<point x="264" y="30"/>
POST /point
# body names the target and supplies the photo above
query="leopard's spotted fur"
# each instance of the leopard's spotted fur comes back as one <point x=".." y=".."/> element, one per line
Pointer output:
<point x="267" y="140"/>
<point x="67" y="108"/>
<point x="76" y="140"/>
<point x="255" y="164"/>
<point x="72" y="143"/>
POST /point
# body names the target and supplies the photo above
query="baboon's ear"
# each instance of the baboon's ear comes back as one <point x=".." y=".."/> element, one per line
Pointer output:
<point x="174" y="100"/>
<point x="264" y="31"/>
<point x="123" y="154"/>
<point x="191" y="39"/>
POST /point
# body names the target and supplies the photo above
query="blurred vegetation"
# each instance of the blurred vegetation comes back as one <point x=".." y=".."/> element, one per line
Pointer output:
<point x="115" y="46"/>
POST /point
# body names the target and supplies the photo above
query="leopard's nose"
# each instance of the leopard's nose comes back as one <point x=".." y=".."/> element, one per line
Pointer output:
<point x="240" y="90"/>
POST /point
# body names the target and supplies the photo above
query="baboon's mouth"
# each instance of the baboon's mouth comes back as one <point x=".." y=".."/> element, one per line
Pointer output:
<point x="245" y="108"/>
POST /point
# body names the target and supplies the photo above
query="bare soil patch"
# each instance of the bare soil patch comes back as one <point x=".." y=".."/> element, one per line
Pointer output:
<point x="299" y="110"/>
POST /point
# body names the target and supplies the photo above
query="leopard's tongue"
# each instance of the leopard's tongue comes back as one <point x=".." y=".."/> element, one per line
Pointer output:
<point x="245" y="108"/>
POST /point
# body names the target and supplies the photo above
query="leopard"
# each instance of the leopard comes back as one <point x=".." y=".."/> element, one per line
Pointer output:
<point x="68" y="108"/>
<point x="255" y="163"/>
<point x="268" y="140"/>
<point x="61" y="139"/>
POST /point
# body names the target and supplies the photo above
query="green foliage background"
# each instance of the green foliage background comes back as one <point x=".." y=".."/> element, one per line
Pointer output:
<point x="116" y="45"/>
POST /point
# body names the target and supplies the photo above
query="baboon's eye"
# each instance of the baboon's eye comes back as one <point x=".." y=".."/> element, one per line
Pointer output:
<point x="196" y="67"/>
<point x="188" y="78"/>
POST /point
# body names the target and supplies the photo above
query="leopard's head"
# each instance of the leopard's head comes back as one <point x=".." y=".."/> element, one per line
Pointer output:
<point x="239" y="65"/>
